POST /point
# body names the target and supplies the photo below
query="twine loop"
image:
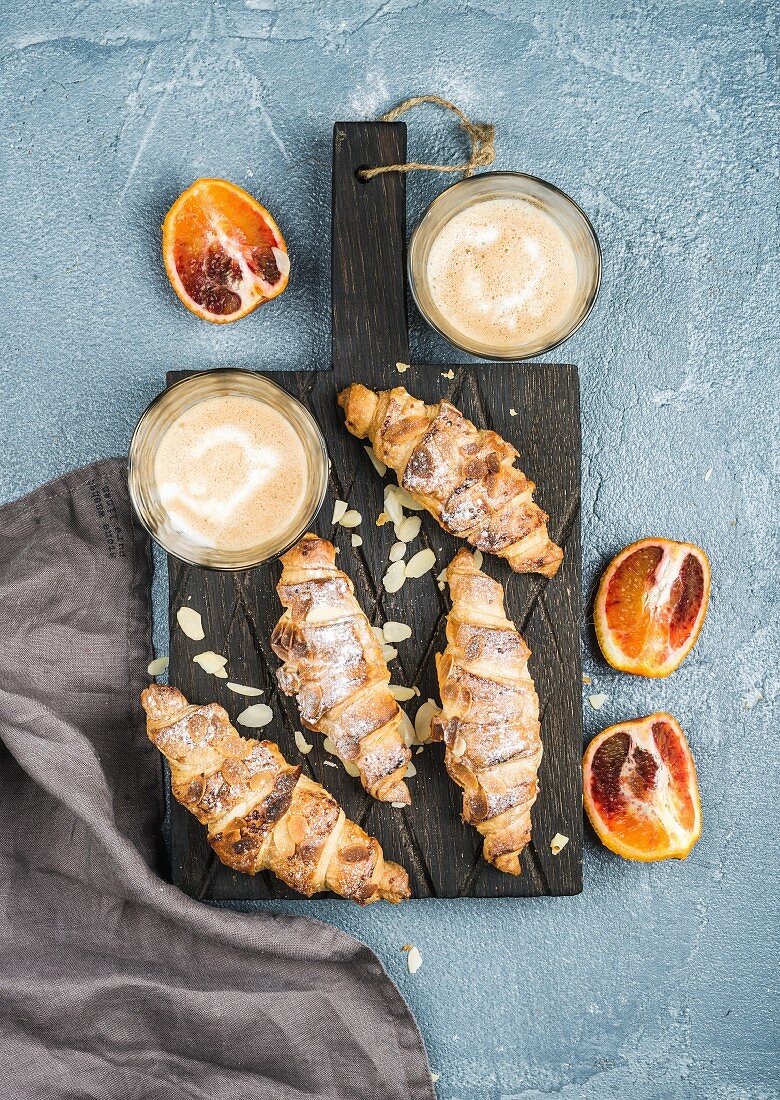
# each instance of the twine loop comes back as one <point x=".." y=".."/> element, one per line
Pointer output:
<point x="481" y="135"/>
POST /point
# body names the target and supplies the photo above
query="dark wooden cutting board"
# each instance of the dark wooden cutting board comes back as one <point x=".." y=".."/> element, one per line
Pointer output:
<point x="536" y="407"/>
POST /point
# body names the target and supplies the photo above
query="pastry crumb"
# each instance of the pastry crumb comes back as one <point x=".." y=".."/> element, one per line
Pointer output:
<point x="708" y="475"/>
<point x="597" y="701"/>
<point x="513" y="412"/>
<point x="402" y="368"/>
<point x="448" y="373"/>
<point x="586" y="680"/>
<point x="558" y="843"/>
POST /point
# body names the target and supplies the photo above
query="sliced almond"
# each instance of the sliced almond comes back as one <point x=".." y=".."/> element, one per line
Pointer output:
<point x="394" y="577"/>
<point x="422" y="562"/>
<point x="423" y="718"/>
<point x="352" y="518"/>
<point x="243" y="689"/>
<point x="379" y="633"/>
<point x="459" y="748"/>
<point x="411" y="771"/>
<point x="330" y="763"/>
<point x="478" y="559"/>
<point x="448" y="373"/>
<point x="396" y="632"/>
<point x="191" y="623"/>
<point x="407" y="501"/>
<point x="597" y="701"/>
<point x="220" y="673"/>
<point x="397" y="551"/>
<point x="406" y="728"/>
<point x="302" y="744"/>
<point x="340" y="508"/>
<point x="255" y="717"/>
<point x="409" y="529"/>
<point x="393" y="505"/>
<point x="296" y="827"/>
<point x="351" y="769"/>
<point x="419" y="749"/>
<point x="328" y="745"/>
<point x="708" y="475"/>
<point x="442" y="577"/>
<point x="558" y="843"/>
<point x="401" y="694"/>
<point x="210" y="662"/>
<point x="356" y="541"/>
<point x="398" y="805"/>
<point x="157" y="666"/>
<point x="513" y="412"/>
<point x="389" y="652"/>
<point x="377" y="463"/>
<point x="413" y="960"/>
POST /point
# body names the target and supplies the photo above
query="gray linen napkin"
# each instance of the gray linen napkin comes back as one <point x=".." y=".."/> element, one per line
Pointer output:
<point x="113" y="984"/>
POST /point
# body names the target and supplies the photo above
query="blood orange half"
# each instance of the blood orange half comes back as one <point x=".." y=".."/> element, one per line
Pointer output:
<point x="651" y="605"/>
<point x="640" y="789"/>
<point x="223" y="251"/>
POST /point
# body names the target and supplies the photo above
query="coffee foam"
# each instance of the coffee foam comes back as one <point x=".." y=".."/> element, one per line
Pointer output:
<point x="502" y="273"/>
<point x="231" y="473"/>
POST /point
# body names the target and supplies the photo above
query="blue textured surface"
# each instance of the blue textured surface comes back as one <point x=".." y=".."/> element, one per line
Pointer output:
<point x="659" y="981"/>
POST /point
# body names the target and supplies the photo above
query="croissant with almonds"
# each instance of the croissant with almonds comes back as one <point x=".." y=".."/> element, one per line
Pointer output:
<point x="334" y="666"/>
<point x="465" y="476"/>
<point x="261" y="812"/>
<point x="490" y="715"/>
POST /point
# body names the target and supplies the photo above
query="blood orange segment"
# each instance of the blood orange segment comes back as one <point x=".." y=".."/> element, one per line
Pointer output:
<point x="651" y="605"/>
<point x="640" y="789"/>
<point x="223" y="251"/>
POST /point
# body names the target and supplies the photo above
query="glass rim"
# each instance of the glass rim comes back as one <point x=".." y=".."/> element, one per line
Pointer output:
<point x="133" y="473"/>
<point x="593" y="295"/>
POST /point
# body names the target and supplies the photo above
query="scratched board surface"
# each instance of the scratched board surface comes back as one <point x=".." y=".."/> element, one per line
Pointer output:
<point x="536" y="407"/>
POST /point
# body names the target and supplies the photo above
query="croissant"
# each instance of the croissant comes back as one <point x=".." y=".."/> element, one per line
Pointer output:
<point x="465" y="476"/>
<point x="261" y="812"/>
<point x="334" y="666"/>
<point x="490" y="715"/>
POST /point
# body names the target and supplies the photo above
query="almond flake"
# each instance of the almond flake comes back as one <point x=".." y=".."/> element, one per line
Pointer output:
<point x="708" y="475"/>
<point x="210" y="661"/>
<point x="423" y="719"/>
<point x="402" y="368"/>
<point x="597" y="701"/>
<point x="330" y="764"/>
<point x="406" y="728"/>
<point x="442" y="577"/>
<point x="448" y="373"/>
<point x="401" y="694"/>
<point x="220" y="673"/>
<point x="419" y="749"/>
<point x="394" y="577"/>
<point x="406" y="500"/>
<point x="513" y="412"/>
<point x="379" y="634"/>
<point x="351" y="769"/>
<point x="440" y="585"/>
<point x="478" y="559"/>
<point x="379" y="466"/>
<point x="351" y="519"/>
<point x="398" y="805"/>
<point x="191" y="623"/>
<point x="243" y="689"/>
<point x="302" y="744"/>
<point x="413" y="960"/>
<point x="409" y="529"/>
<point x="328" y="745"/>
<point x="459" y="748"/>
<point x="340" y="508"/>
<point x="411" y="771"/>
<point x="389" y="652"/>
<point x="396" y="632"/>
<point x="558" y="843"/>
<point x="397" y="551"/>
<point x="393" y="504"/>
<point x="422" y="562"/>
<point x="157" y="666"/>
<point x="256" y="717"/>
<point x="356" y="541"/>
